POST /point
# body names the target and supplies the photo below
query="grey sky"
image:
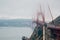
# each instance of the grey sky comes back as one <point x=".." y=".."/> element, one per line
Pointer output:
<point x="26" y="8"/>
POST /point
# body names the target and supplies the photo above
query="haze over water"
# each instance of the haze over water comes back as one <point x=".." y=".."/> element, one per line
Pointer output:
<point x="14" y="33"/>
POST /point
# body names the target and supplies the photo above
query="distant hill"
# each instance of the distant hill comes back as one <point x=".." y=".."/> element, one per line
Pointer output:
<point x="15" y="22"/>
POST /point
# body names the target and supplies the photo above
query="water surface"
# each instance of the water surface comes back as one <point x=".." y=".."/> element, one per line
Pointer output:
<point x="14" y="33"/>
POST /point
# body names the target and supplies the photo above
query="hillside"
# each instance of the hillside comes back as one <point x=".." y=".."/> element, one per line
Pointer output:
<point x="15" y="22"/>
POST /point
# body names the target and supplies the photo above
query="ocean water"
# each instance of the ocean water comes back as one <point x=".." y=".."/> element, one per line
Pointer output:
<point x="14" y="33"/>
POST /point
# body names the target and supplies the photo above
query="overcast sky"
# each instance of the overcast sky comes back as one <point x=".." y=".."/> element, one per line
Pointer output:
<point x="26" y="8"/>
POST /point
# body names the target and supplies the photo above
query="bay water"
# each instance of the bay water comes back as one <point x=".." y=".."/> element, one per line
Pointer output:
<point x="14" y="33"/>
